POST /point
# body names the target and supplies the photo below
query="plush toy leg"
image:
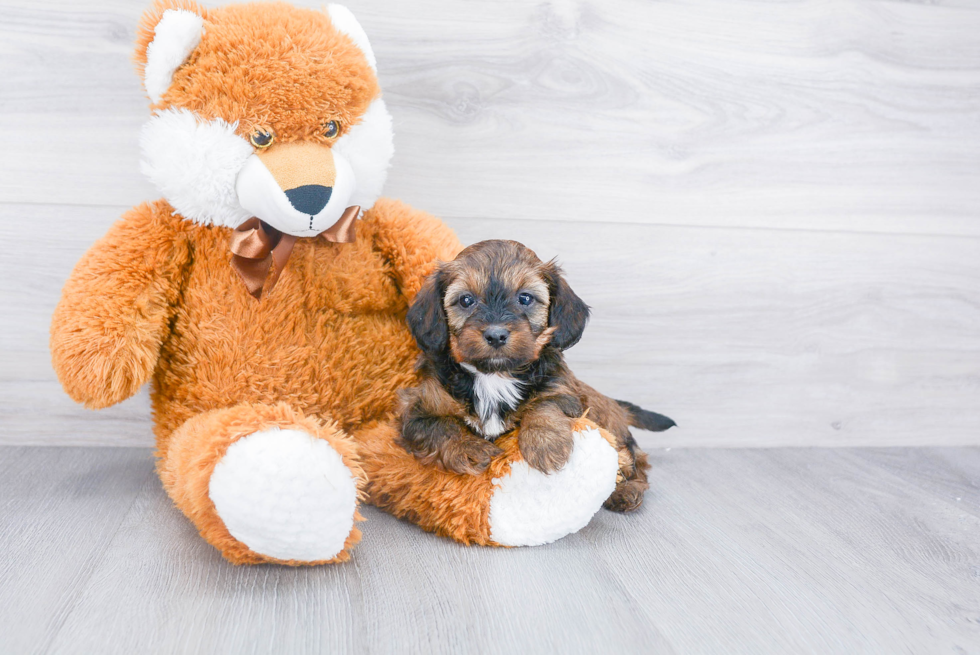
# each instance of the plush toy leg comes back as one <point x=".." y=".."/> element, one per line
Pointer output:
<point x="263" y="483"/>
<point x="510" y="504"/>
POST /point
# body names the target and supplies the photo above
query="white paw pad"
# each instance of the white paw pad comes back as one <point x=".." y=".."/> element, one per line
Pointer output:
<point x="285" y="494"/>
<point x="529" y="508"/>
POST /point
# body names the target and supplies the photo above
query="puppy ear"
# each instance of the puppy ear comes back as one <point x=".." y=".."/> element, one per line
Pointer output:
<point x="426" y="317"/>
<point x="567" y="313"/>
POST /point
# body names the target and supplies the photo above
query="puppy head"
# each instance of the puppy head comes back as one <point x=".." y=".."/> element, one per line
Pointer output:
<point x="495" y="307"/>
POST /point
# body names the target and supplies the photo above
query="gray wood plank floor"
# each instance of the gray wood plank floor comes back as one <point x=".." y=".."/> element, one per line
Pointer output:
<point x="735" y="551"/>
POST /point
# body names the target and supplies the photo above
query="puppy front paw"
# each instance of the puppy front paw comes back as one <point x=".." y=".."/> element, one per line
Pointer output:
<point x="467" y="455"/>
<point x="446" y="442"/>
<point x="545" y="449"/>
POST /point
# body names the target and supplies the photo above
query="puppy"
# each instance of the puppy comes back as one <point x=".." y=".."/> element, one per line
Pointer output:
<point x="492" y="325"/>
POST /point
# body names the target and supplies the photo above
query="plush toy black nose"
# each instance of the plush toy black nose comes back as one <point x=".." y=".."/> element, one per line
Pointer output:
<point x="309" y="199"/>
<point x="496" y="336"/>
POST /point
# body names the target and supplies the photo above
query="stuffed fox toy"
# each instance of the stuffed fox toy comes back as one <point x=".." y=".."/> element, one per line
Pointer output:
<point x="264" y="300"/>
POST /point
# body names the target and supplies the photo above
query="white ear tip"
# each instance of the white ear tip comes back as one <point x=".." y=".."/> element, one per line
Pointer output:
<point x="175" y="37"/>
<point x="344" y="20"/>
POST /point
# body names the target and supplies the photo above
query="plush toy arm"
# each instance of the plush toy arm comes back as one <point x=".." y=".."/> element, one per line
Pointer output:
<point x="412" y="241"/>
<point x="115" y="308"/>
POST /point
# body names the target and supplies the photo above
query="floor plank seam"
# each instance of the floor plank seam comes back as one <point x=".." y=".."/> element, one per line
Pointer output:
<point x="120" y="209"/>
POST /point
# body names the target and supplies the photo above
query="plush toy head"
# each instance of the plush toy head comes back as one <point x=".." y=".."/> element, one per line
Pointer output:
<point x="262" y="110"/>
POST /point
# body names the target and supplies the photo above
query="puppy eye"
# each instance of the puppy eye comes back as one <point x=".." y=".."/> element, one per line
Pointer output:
<point x="466" y="301"/>
<point x="525" y="299"/>
<point x="331" y="129"/>
<point x="261" y="140"/>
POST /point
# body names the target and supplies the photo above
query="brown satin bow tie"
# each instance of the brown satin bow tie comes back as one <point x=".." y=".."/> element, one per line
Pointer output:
<point x="256" y="247"/>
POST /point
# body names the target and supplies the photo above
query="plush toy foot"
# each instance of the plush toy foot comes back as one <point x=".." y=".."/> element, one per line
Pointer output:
<point x="529" y="508"/>
<point x="266" y="484"/>
<point x="285" y="495"/>
<point x="511" y="504"/>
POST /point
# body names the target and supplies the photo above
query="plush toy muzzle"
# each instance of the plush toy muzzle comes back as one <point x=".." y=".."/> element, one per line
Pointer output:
<point x="299" y="188"/>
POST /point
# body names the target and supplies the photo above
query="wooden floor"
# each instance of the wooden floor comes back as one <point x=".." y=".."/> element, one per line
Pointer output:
<point x="735" y="551"/>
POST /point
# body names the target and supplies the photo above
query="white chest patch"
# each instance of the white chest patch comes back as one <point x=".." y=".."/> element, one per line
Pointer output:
<point x="493" y="394"/>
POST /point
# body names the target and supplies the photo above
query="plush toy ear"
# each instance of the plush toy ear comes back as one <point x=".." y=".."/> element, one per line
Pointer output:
<point x="369" y="144"/>
<point x="168" y="33"/>
<point x="567" y="313"/>
<point x="426" y="317"/>
<point x="344" y="21"/>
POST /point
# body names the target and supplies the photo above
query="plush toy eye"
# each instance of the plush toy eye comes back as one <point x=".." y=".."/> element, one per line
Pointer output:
<point x="261" y="139"/>
<point x="466" y="301"/>
<point x="525" y="299"/>
<point x="331" y="129"/>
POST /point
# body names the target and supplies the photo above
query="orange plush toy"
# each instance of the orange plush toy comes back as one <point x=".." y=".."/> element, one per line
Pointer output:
<point x="264" y="298"/>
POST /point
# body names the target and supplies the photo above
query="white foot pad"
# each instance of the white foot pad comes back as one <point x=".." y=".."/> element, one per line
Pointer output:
<point x="285" y="494"/>
<point x="530" y="508"/>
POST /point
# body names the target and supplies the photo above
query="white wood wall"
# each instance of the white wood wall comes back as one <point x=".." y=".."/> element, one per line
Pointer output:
<point x="773" y="207"/>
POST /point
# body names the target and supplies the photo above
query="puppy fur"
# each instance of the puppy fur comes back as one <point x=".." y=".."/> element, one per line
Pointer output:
<point x="492" y="325"/>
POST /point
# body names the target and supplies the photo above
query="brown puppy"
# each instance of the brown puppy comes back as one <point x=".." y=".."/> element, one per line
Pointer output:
<point x="492" y="325"/>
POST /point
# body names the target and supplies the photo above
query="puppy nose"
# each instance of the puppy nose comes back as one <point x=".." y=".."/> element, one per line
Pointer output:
<point x="496" y="336"/>
<point x="309" y="199"/>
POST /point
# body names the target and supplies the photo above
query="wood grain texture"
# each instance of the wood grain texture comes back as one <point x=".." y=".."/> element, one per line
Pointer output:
<point x="804" y="173"/>
<point x="735" y="551"/>
<point x="818" y="114"/>
<point x="60" y="508"/>
<point x="745" y="337"/>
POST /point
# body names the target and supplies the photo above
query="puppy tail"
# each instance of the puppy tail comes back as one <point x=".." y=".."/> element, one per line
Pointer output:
<point x="645" y="419"/>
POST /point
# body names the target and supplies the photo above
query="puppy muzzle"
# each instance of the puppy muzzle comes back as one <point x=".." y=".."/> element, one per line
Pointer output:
<point x="495" y="348"/>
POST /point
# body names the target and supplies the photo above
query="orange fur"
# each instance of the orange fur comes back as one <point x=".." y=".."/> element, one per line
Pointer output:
<point x="269" y="66"/>
<point x="107" y="330"/>
<point x="157" y="300"/>
<point x="448" y="504"/>
<point x="330" y="338"/>
<point x="158" y="297"/>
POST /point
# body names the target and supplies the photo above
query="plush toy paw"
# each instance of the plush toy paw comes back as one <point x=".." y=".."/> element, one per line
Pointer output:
<point x="529" y="507"/>
<point x="264" y="483"/>
<point x="286" y="495"/>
